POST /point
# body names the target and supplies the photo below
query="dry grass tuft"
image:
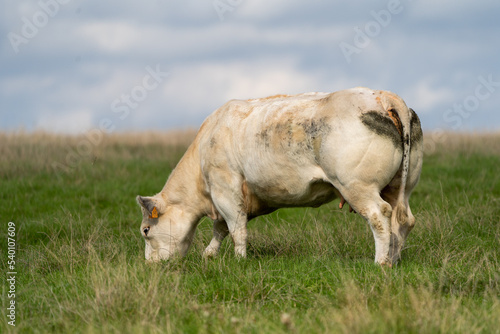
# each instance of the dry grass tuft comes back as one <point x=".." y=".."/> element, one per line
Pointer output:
<point x="26" y="152"/>
<point x="9" y="141"/>
<point x="466" y="143"/>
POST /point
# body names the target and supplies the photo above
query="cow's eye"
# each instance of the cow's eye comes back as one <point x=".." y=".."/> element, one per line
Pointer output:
<point x="146" y="231"/>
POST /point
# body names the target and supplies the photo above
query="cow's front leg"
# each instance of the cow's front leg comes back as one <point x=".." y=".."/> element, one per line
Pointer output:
<point x="239" y="234"/>
<point x="227" y="198"/>
<point x="220" y="232"/>
<point x="236" y="221"/>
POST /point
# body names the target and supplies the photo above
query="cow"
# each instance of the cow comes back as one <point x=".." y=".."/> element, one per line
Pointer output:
<point x="252" y="157"/>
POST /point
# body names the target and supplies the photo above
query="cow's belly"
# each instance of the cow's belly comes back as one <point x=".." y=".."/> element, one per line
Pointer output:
<point x="292" y="192"/>
<point x="285" y="173"/>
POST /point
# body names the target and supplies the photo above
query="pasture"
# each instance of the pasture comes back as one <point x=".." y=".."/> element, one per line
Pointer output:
<point x="80" y="258"/>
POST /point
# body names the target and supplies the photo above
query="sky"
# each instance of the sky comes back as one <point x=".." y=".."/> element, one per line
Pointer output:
<point x="71" y="66"/>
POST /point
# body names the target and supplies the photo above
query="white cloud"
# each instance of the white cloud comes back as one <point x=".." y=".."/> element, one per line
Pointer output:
<point x="426" y="96"/>
<point x="450" y="9"/>
<point x="193" y="91"/>
<point x="111" y="36"/>
<point x="127" y="38"/>
<point x="72" y="121"/>
<point x="258" y="9"/>
<point x="26" y="84"/>
<point x="211" y="82"/>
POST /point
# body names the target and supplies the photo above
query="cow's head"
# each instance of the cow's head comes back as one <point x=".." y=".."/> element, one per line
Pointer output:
<point x="165" y="228"/>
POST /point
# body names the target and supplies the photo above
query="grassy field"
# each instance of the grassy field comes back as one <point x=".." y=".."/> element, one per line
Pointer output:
<point x="80" y="257"/>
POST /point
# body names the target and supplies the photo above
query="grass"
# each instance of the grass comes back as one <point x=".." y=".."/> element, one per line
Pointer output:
<point x="81" y="268"/>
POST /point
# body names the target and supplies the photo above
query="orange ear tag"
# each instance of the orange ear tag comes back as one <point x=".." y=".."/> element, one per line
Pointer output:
<point x="154" y="213"/>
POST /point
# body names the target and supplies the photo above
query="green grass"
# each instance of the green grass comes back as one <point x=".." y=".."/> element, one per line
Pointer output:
<point x="81" y="268"/>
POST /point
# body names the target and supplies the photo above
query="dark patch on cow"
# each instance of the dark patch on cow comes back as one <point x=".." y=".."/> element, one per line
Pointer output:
<point x="263" y="137"/>
<point x="315" y="131"/>
<point x="383" y="126"/>
<point x="297" y="136"/>
<point x="315" y="128"/>
<point x="416" y="128"/>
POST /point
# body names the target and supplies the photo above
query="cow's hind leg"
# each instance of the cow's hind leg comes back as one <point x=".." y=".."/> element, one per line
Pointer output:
<point x="366" y="200"/>
<point x="220" y="232"/>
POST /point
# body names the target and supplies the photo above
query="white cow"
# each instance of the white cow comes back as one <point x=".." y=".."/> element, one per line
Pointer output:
<point x="252" y="157"/>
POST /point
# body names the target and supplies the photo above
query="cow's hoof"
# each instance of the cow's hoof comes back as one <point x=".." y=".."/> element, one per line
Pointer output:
<point x="209" y="253"/>
<point x="385" y="263"/>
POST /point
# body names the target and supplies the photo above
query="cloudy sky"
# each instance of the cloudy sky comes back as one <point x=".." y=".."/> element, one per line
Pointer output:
<point x="73" y="65"/>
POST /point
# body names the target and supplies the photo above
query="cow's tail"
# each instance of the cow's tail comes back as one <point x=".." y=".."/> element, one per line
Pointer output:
<point x="394" y="104"/>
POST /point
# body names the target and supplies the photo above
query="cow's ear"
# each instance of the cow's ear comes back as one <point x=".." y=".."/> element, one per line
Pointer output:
<point x="152" y="205"/>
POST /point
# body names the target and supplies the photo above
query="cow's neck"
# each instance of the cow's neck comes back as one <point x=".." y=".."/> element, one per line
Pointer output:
<point x="184" y="187"/>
